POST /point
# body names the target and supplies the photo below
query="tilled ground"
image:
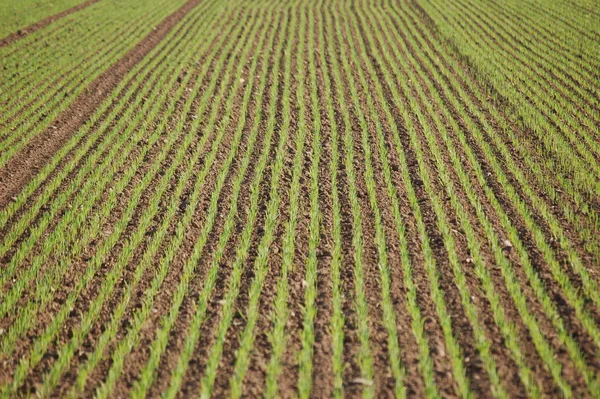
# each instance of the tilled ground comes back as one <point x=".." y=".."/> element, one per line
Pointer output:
<point x="306" y="199"/>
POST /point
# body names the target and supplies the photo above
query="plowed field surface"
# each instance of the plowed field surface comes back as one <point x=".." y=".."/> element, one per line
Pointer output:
<point x="305" y="198"/>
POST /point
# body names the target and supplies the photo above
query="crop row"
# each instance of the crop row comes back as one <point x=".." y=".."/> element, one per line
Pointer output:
<point x="37" y="90"/>
<point x="569" y="143"/>
<point x="540" y="206"/>
<point x="91" y="230"/>
<point x="494" y="240"/>
<point x="19" y="15"/>
<point x="373" y="141"/>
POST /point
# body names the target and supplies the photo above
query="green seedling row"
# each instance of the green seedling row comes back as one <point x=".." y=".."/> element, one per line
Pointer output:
<point x="405" y="190"/>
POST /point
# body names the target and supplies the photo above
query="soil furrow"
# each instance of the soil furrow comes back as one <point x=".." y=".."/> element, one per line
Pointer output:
<point x="146" y="279"/>
<point x="176" y="345"/>
<point x="547" y="330"/>
<point x="460" y="324"/>
<point x="21" y="167"/>
<point x="524" y="232"/>
<point x="323" y="369"/>
<point x="351" y="344"/>
<point x="300" y="199"/>
<point x="231" y="343"/>
<point x="384" y="381"/>
<point x="137" y="359"/>
<point x="257" y="370"/>
<point x="92" y="141"/>
<point x="24" y="32"/>
<point x="146" y="198"/>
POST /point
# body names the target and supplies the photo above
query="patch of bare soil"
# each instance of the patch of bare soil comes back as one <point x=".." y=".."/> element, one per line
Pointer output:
<point x="23" y="165"/>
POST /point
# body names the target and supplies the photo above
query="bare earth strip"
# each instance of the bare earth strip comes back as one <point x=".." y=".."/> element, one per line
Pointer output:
<point x="23" y="166"/>
<point x="311" y="199"/>
<point x="21" y="33"/>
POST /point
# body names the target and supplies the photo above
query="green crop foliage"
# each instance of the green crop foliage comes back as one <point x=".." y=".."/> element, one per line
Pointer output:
<point x="94" y="263"/>
<point x="44" y="286"/>
<point x="280" y="313"/>
<point x="406" y="191"/>
<point x="141" y="316"/>
<point x="47" y="103"/>
<point x="305" y="357"/>
<point x="17" y="15"/>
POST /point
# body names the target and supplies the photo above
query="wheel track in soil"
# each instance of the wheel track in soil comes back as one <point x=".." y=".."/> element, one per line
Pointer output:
<point x="122" y="199"/>
<point x="142" y="251"/>
<point x="246" y="163"/>
<point x="24" y="32"/>
<point x="22" y="166"/>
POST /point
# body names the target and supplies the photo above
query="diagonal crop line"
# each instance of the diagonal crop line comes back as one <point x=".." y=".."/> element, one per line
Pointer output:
<point x="146" y="111"/>
<point x="280" y="312"/>
<point x="563" y="36"/>
<point x="575" y="69"/>
<point x="127" y="253"/>
<point x="305" y="378"/>
<point x="536" y="283"/>
<point x="133" y="80"/>
<point x="569" y="76"/>
<point x="559" y="108"/>
<point x="584" y="167"/>
<point x="233" y="284"/>
<point x="40" y="345"/>
<point x="389" y="314"/>
<point x="544" y="174"/>
<point x="213" y="272"/>
<point x="543" y="84"/>
<point x="431" y="166"/>
<point x="542" y="346"/>
<point x="18" y="24"/>
<point x="52" y="81"/>
<point x="146" y="260"/>
<point x="112" y="141"/>
<point x="365" y="358"/>
<point x="160" y="342"/>
<point x="94" y="26"/>
<point x="589" y="283"/>
<point x="36" y="38"/>
<point x="140" y="317"/>
<point x="41" y="59"/>
<point x="47" y="102"/>
<point x="80" y="238"/>
<point x="34" y="44"/>
<point x="559" y="274"/>
<point x="23" y="134"/>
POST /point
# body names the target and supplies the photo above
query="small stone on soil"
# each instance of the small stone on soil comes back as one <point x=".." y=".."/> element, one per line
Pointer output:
<point x="363" y="381"/>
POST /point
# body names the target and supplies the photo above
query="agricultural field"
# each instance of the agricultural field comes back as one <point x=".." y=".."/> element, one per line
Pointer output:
<point x="303" y="198"/>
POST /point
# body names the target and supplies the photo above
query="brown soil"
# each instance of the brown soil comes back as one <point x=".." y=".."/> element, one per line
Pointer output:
<point x="261" y="357"/>
<point x="77" y="268"/>
<point x="425" y="224"/>
<point x="214" y="314"/>
<point x="136" y="360"/>
<point x="16" y="173"/>
<point x="555" y="206"/>
<point x="188" y="307"/>
<point x="21" y="33"/>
